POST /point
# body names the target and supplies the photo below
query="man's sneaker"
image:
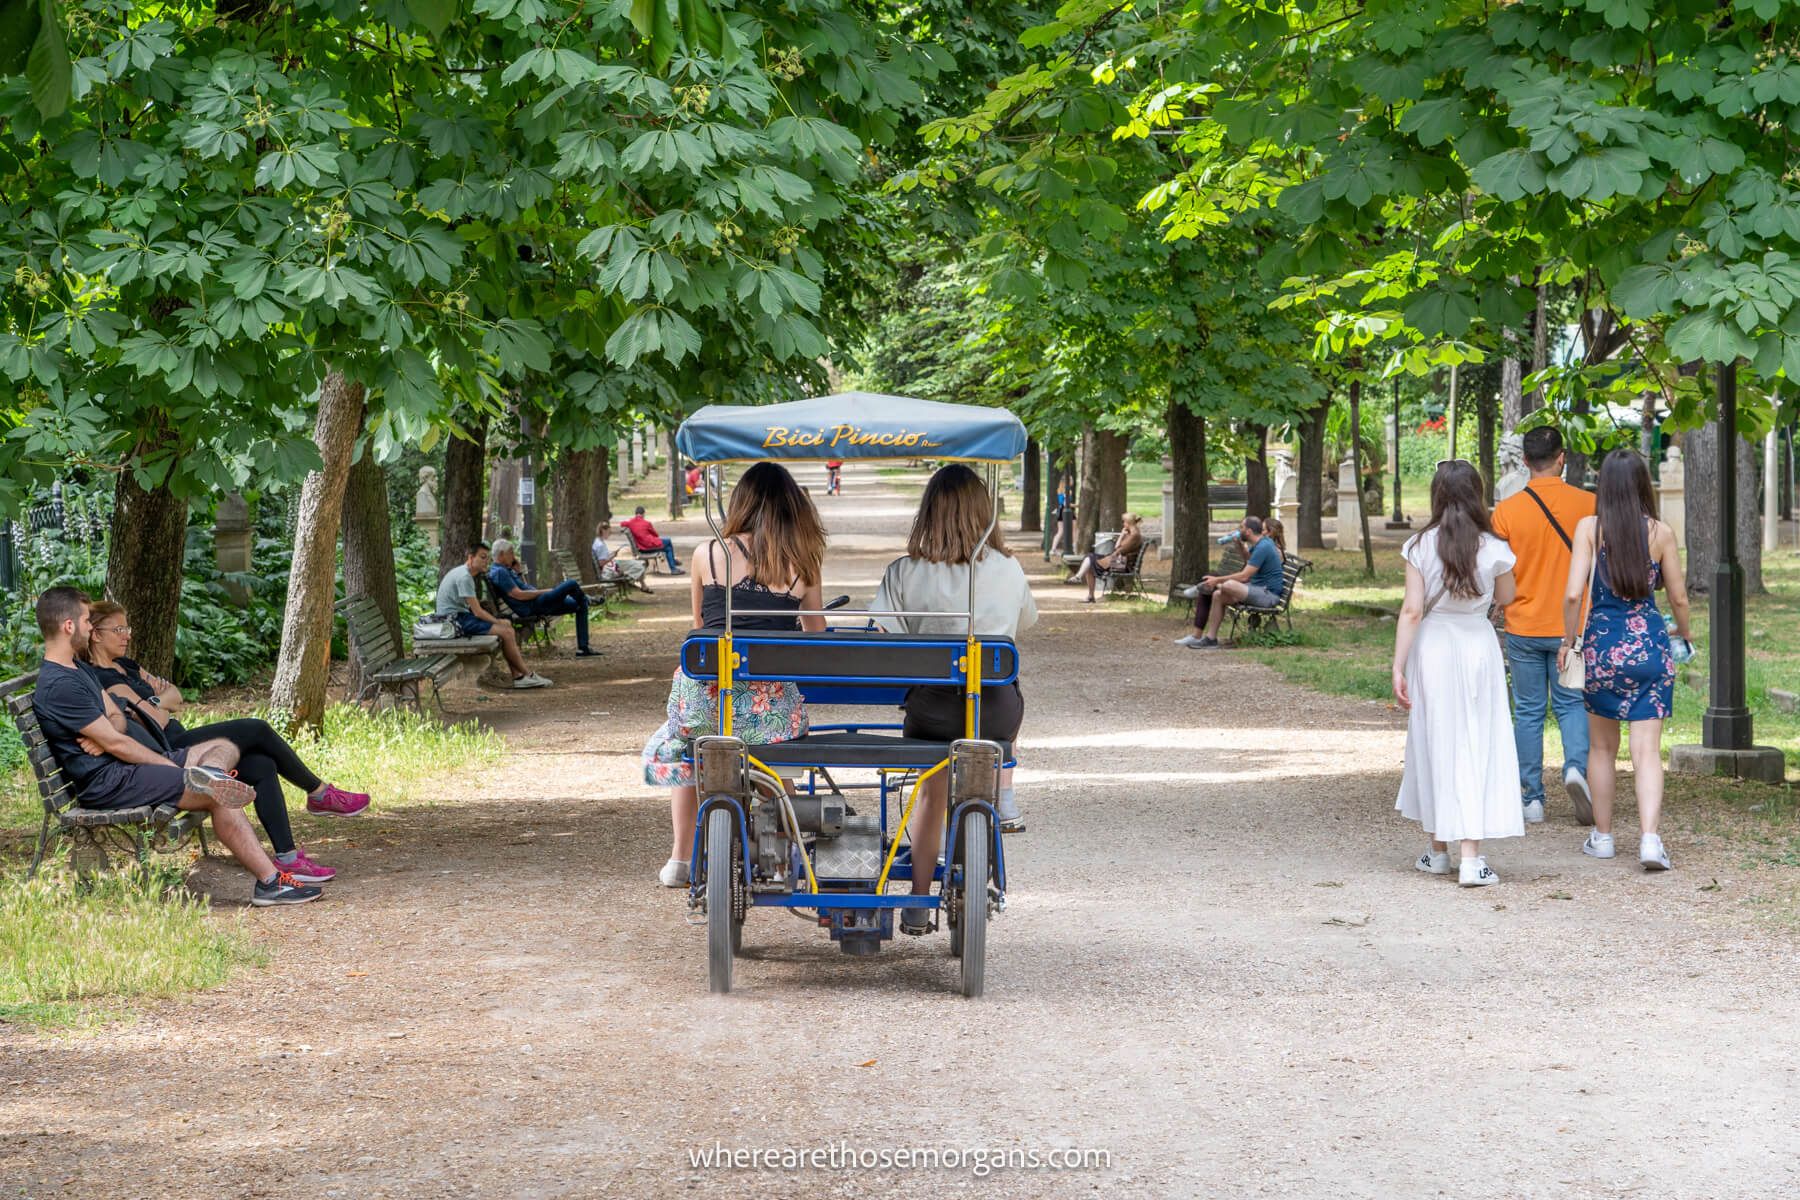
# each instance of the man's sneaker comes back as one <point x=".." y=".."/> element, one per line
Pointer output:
<point x="336" y="802"/>
<point x="1652" y="854"/>
<point x="1190" y="641"/>
<point x="915" y="922"/>
<point x="220" y="785"/>
<point x="1579" y="795"/>
<point x="1474" y="872"/>
<point x="1191" y="591"/>
<point x="1433" y="862"/>
<point x="1534" y="813"/>
<point x="533" y="680"/>
<point x="1205" y="643"/>
<point x="1006" y="807"/>
<point x="283" y="889"/>
<point x="1598" y="845"/>
<point x="305" y="870"/>
<point x="673" y="874"/>
<point x="586" y="652"/>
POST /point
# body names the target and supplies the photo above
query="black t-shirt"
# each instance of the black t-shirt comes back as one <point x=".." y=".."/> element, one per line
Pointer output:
<point x="127" y="672"/>
<point x="68" y="700"/>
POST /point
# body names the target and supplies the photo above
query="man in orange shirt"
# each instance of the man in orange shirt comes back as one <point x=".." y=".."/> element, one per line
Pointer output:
<point x="1538" y="523"/>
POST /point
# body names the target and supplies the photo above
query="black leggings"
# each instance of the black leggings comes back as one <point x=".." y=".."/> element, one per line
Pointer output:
<point x="264" y="760"/>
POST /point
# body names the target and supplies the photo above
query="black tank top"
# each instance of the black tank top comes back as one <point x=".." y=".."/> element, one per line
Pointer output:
<point x="747" y="593"/>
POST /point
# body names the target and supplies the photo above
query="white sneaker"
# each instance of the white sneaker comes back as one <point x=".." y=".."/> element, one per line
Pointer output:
<point x="533" y="680"/>
<point x="674" y="874"/>
<point x="1652" y="854"/>
<point x="1474" y="872"/>
<point x="1579" y="795"/>
<point x="1534" y="813"/>
<point x="1189" y="640"/>
<point x="1191" y="591"/>
<point x="1006" y="807"/>
<point x="1433" y="862"/>
<point x="1598" y="845"/>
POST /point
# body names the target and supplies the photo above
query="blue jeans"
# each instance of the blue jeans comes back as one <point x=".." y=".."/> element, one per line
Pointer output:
<point x="566" y="597"/>
<point x="668" y="549"/>
<point x="1533" y="661"/>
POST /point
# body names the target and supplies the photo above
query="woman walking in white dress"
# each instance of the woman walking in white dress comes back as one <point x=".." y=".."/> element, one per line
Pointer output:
<point x="1462" y="770"/>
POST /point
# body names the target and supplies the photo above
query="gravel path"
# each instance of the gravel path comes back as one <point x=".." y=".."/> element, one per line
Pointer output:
<point x="1217" y="969"/>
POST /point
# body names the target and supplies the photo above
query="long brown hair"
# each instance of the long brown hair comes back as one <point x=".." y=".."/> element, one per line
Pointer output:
<point x="1272" y="529"/>
<point x="1460" y="517"/>
<point x="1621" y="503"/>
<point x="787" y="539"/>
<point x="953" y="514"/>
<point x="98" y="611"/>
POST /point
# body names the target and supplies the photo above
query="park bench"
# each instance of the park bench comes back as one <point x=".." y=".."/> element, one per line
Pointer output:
<point x="381" y="669"/>
<point x="1225" y="496"/>
<point x="655" y="563"/>
<point x="597" y="592"/>
<point x="1129" y="579"/>
<point x="1292" y="568"/>
<point x="137" y="830"/>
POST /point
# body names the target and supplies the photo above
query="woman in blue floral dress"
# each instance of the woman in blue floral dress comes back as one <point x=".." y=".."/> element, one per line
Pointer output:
<point x="1627" y="554"/>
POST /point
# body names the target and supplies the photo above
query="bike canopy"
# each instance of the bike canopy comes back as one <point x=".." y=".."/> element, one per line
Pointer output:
<point x="853" y="426"/>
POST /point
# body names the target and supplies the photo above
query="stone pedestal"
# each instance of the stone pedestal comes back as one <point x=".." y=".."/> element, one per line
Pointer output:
<point x="1771" y="491"/>
<point x="1349" y="511"/>
<point x="1761" y="764"/>
<point x="231" y="544"/>
<point x="1166" y="549"/>
<point x="1287" y="493"/>
<point x="425" y="506"/>
<point x="1671" y="495"/>
<point x="637" y="452"/>
<point x="623" y="472"/>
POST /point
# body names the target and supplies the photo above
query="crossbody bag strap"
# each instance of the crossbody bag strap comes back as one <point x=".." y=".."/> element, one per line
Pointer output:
<point x="1587" y="604"/>
<point x="1551" y="517"/>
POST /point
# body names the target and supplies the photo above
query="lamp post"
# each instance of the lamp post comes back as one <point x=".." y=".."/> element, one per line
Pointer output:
<point x="1397" y="520"/>
<point x="527" y="501"/>
<point x="1727" y="729"/>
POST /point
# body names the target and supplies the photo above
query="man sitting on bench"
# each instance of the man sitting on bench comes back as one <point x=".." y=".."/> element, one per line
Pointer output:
<point x="114" y="762"/>
<point x="647" y="541"/>
<point x="457" y="600"/>
<point x="1258" y="584"/>
<point x="566" y="597"/>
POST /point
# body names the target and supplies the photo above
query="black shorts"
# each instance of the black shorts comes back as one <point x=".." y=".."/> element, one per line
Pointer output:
<point x="936" y="713"/>
<point x="134" y="785"/>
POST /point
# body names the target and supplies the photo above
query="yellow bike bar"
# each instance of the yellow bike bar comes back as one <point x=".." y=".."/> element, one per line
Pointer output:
<point x="905" y="819"/>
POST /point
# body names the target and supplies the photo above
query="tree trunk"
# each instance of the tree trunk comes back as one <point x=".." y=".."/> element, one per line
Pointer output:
<point x="1362" y="509"/>
<point x="601" y="504"/>
<point x="1111" y="507"/>
<point x="503" y="500"/>
<point x="1700" y="457"/>
<point x="574" y="501"/>
<point x="1488" y="379"/>
<point x="677" y="486"/>
<point x="1311" y="534"/>
<point x="1087" y="493"/>
<point x="369" y="545"/>
<point x="1192" y="532"/>
<point x="1540" y="347"/>
<point x="459" y="504"/>
<point x="1030" y="512"/>
<point x="143" y="565"/>
<point x="1512" y="397"/>
<point x="304" y="666"/>
<point x="1258" y="494"/>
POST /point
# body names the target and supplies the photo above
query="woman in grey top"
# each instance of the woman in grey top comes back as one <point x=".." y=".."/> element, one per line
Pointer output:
<point x="944" y="547"/>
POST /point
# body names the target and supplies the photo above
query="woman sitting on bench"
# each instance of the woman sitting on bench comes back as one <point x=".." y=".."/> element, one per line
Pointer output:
<point x="265" y="758"/>
<point x="944" y="546"/>
<point x="776" y="562"/>
<point x="1121" y="559"/>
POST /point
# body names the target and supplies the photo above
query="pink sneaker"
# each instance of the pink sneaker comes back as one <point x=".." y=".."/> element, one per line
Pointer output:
<point x="335" y="802"/>
<point x="305" y="870"/>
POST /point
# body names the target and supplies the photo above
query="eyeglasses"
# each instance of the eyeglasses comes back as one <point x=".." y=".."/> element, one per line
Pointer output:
<point x="112" y="629"/>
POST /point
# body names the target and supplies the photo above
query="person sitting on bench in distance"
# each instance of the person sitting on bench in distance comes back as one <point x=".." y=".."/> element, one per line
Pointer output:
<point x="1258" y="584"/>
<point x="114" y="762"/>
<point x="944" y="547"/>
<point x="507" y="576"/>
<point x="1130" y="538"/>
<point x="647" y="540"/>
<point x="609" y="566"/>
<point x="457" y="600"/>
<point x="264" y="756"/>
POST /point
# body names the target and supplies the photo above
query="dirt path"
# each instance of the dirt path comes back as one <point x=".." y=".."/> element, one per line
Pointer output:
<point x="1217" y="968"/>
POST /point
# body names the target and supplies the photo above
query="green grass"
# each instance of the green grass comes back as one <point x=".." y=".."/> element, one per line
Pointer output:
<point x="73" y="955"/>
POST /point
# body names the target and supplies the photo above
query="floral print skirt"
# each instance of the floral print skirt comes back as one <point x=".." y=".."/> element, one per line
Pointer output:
<point x="1629" y="667"/>
<point x="761" y="712"/>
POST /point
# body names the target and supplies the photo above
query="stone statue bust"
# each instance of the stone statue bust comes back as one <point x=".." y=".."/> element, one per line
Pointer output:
<point x="425" y="503"/>
<point x="1513" y="475"/>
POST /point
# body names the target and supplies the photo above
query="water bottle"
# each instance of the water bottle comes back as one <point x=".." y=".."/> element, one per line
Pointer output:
<point x="1680" y="649"/>
<point x="1225" y="539"/>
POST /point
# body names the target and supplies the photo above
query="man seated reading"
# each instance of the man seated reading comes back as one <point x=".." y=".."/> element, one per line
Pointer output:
<point x="115" y="762"/>
<point x="507" y="575"/>
<point x="1258" y="584"/>
<point x="457" y="600"/>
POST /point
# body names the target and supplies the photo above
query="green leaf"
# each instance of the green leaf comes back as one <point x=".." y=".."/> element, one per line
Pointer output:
<point x="1435" y="121"/>
<point x="47" y="67"/>
<point x="432" y="15"/>
<point x="701" y="27"/>
<point x="1710" y="336"/>
<point x="1510" y="175"/>
<point x="1648" y="291"/>
<point x="1441" y="311"/>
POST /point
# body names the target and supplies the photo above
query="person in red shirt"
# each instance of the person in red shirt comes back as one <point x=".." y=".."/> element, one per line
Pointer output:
<point x="647" y="540"/>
